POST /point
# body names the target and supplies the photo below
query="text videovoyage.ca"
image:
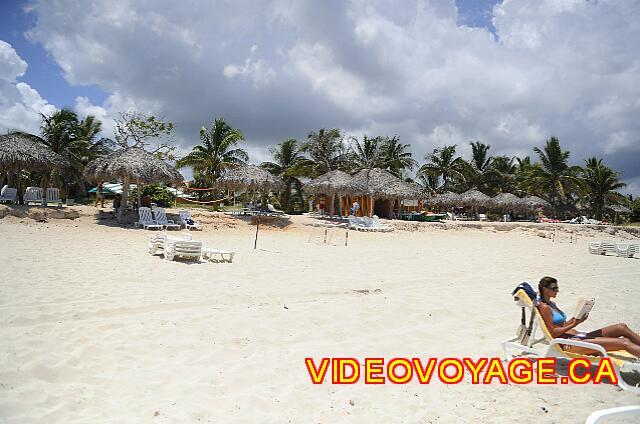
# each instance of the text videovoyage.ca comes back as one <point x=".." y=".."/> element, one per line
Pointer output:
<point x="454" y="370"/>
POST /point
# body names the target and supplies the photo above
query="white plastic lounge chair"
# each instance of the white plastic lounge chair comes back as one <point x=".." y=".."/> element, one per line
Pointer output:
<point x="8" y="194"/>
<point x="184" y="249"/>
<point x="356" y="223"/>
<point x="33" y="195"/>
<point x="185" y="217"/>
<point x="596" y="416"/>
<point x="627" y="250"/>
<point x="53" y="196"/>
<point x="211" y="254"/>
<point x="160" y="217"/>
<point x="383" y="227"/>
<point x="145" y="219"/>
<point x="527" y="342"/>
<point x="594" y="247"/>
<point x="156" y="242"/>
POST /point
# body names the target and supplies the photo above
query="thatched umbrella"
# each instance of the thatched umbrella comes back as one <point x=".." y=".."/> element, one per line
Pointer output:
<point x="23" y="151"/>
<point x="131" y="164"/>
<point x="448" y="199"/>
<point x="475" y="199"/>
<point x="618" y="209"/>
<point x="335" y="183"/>
<point x="381" y="184"/>
<point x="534" y="202"/>
<point x="506" y="201"/>
<point x="251" y="177"/>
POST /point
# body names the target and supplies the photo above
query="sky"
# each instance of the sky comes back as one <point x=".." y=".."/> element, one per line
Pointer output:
<point x="508" y="73"/>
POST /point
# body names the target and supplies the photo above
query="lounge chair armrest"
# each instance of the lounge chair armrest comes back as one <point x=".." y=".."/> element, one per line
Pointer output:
<point x="576" y="343"/>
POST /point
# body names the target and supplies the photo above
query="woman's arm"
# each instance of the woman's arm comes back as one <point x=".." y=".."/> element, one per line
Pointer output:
<point x="556" y="330"/>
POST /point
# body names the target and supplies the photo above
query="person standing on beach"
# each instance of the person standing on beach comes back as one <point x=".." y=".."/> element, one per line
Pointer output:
<point x="355" y="207"/>
<point x="99" y="196"/>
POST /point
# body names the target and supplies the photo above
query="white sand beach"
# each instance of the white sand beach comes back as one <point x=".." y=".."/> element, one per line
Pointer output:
<point x="96" y="330"/>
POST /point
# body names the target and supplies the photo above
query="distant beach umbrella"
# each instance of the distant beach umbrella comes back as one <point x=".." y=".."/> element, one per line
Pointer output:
<point x="476" y="198"/>
<point x="535" y="202"/>
<point x="619" y="208"/>
<point x="131" y="164"/>
<point x="509" y="201"/>
<point x="21" y="151"/>
<point x="251" y="177"/>
<point x="448" y="199"/>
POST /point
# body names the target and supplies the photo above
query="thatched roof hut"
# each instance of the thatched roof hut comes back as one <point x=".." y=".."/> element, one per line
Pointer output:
<point x="506" y="201"/>
<point x="618" y="208"/>
<point x="535" y="202"/>
<point x="134" y="163"/>
<point x="335" y="182"/>
<point x="448" y="199"/>
<point x="24" y="151"/>
<point x="251" y="177"/>
<point x="475" y="198"/>
<point x="381" y="184"/>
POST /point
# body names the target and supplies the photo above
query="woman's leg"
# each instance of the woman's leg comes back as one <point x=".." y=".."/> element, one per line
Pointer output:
<point x="609" y="344"/>
<point x="620" y="330"/>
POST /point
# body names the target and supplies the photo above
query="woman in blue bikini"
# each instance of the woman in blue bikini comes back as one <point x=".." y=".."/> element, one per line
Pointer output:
<point x="612" y="337"/>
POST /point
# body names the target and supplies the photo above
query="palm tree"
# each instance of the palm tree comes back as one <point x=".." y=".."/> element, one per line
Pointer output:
<point x="479" y="171"/>
<point x="289" y="164"/>
<point x="326" y="150"/>
<point x="396" y="157"/>
<point x="503" y="175"/>
<point x="368" y="153"/>
<point x="74" y="140"/>
<point x="442" y="162"/>
<point x="217" y="153"/>
<point x="553" y="178"/>
<point x="600" y="184"/>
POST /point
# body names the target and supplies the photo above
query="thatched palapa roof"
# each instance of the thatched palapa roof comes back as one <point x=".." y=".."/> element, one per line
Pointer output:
<point x="509" y="201"/>
<point x="335" y="182"/>
<point x="476" y="198"/>
<point x="534" y="202"/>
<point x="447" y="199"/>
<point x="136" y="163"/>
<point x="251" y="177"/>
<point x="619" y="208"/>
<point x="381" y="184"/>
<point x="20" y="150"/>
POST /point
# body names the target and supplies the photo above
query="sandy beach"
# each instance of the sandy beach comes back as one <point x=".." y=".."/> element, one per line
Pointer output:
<point x="96" y="330"/>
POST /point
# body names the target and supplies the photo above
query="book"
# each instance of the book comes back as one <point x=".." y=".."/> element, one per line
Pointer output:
<point x="583" y="307"/>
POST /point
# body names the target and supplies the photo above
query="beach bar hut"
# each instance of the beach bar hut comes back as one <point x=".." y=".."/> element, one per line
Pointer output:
<point x="21" y="151"/>
<point x="254" y="178"/>
<point x="386" y="189"/>
<point x="131" y="164"/>
<point x="336" y="183"/>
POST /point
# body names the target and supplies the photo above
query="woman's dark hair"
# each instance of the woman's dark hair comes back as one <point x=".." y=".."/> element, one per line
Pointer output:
<point x="544" y="283"/>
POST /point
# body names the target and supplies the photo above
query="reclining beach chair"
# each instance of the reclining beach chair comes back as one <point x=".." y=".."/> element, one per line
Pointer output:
<point x="145" y="219"/>
<point x="627" y="250"/>
<point x="53" y="196"/>
<point x="185" y="218"/>
<point x="211" y="254"/>
<point x="383" y="227"/>
<point x="8" y="194"/>
<point x="184" y="249"/>
<point x="33" y="195"/>
<point x="160" y="217"/>
<point x="526" y="342"/>
<point x="356" y="223"/>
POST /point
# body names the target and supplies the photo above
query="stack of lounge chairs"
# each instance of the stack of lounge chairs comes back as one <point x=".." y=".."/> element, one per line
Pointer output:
<point x="183" y="246"/>
<point x="8" y="194"/>
<point x="368" y="224"/>
<point x="622" y="249"/>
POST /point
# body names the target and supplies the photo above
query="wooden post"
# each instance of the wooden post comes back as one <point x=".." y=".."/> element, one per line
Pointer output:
<point x="139" y="191"/>
<point x="45" y="184"/>
<point x="18" y="181"/>
<point x="325" y="235"/>
<point x="346" y="236"/>
<point x="125" y="197"/>
<point x="255" y="243"/>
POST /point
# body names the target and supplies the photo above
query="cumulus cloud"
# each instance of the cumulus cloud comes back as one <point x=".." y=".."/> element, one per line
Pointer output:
<point x="281" y="68"/>
<point x="20" y="104"/>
